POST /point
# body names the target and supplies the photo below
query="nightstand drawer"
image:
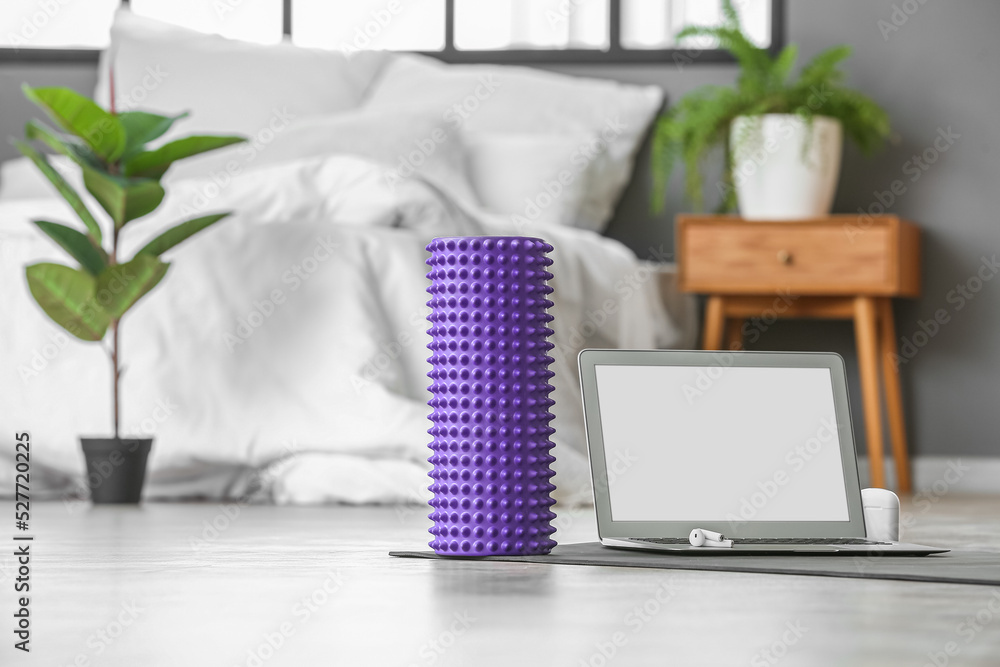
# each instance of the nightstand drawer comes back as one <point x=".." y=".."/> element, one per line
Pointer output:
<point x="717" y="256"/>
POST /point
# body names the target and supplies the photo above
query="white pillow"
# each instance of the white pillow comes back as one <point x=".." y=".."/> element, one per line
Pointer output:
<point x="530" y="177"/>
<point x="229" y="86"/>
<point x="405" y="142"/>
<point x="493" y="98"/>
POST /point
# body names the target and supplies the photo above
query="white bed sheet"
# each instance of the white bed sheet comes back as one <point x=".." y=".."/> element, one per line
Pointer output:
<point x="283" y="358"/>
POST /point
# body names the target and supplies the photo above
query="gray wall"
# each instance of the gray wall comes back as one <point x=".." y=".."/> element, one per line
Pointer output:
<point x="938" y="70"/>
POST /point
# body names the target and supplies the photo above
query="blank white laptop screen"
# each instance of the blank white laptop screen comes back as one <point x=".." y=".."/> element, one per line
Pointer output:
<point x="690" y="443"/>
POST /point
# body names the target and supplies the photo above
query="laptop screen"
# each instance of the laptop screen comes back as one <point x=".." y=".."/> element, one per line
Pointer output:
<point x="716" y="444"/>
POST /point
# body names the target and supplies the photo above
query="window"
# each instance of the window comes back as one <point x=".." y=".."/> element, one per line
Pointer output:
<point x="531" y="24"/>
<point x="453" y="30"/>
<point x="399" y="25"/>
<point x="248" y="20"/>
<point x="34" y="24"/>
<point x="652" y="24"/>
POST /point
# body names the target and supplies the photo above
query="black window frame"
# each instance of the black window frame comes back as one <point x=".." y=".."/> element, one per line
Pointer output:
<point x="615" y="54"/>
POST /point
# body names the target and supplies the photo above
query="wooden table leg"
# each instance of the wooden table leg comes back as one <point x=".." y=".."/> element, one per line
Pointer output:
<point x="715" y="320"/>
<point x="734" y="334"/>
<point x="893" y="395"/>
<point x="866" y="334"/>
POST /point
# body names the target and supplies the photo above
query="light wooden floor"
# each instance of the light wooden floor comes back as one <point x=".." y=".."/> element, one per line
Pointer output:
<point x="143" y="587"/>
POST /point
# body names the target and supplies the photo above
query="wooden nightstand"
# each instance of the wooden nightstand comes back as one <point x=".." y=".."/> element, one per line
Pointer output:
<point x="838" y="267"/>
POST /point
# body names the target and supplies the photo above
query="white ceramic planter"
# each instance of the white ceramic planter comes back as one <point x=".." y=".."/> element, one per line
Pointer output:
<point x="785" y="168"/>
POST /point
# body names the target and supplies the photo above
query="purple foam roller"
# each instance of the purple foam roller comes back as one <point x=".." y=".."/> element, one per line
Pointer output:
<point x="490" y="396"/>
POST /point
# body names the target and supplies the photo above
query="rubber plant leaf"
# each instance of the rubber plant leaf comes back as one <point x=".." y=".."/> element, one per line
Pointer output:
<point x="120" y="286"/>
<point x="179" y="233"/>
<point x="154" y="163"/>
<point x="141" y="127"/>
<point x="80" y="116"/>
<point x="124" y="199"/>
<point x="67" y="295"/>
<point x="80" y="246"/>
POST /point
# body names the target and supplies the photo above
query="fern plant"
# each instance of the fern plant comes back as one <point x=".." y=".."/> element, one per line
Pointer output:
<point x="700" y="122"/>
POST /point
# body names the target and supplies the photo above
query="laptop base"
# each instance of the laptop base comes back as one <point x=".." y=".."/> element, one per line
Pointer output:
<point x="881" y="549"/>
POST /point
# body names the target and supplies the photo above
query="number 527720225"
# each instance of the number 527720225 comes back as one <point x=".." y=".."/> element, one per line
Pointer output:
<point x="22" y="479"/>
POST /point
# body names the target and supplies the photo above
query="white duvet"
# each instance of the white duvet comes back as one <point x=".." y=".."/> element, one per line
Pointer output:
<point x="284" y="355"/>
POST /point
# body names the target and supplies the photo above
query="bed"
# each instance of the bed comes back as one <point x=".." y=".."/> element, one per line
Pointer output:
<point x="284" y="358"/>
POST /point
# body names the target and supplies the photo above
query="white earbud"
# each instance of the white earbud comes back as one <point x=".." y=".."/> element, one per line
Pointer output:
<point x="700" y="537"/>
<point x="881" y="510"/>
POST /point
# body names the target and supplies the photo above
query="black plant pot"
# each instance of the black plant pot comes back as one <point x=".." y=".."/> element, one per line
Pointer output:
<point x="116" y="468"/>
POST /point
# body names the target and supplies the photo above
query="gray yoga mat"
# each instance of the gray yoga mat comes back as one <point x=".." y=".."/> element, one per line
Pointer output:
<point x="956" y="567"/>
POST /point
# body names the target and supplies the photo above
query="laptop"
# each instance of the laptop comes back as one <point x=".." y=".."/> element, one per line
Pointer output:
<point x="757" y="446"/>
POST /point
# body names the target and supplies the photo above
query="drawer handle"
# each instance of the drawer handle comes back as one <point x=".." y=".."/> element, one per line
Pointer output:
<point x="785" y="257"/>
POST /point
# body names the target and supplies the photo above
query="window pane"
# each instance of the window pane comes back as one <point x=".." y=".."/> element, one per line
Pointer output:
<point x="38" y="24"/>
<point x="249" y="20"/>
<point x="652" y="24"/>
<point x="398" y="25"/>
<point x="531" y="24"/>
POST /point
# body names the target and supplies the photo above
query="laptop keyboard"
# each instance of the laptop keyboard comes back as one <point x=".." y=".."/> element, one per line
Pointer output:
<point x="772" y="540"/>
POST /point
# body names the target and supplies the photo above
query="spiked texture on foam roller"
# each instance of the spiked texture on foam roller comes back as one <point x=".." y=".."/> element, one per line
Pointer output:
<point x="490" y="394"/>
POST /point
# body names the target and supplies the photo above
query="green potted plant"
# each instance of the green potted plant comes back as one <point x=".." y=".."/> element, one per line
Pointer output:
<point x="781" y="136"/>
<point x="123" y="174"/>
